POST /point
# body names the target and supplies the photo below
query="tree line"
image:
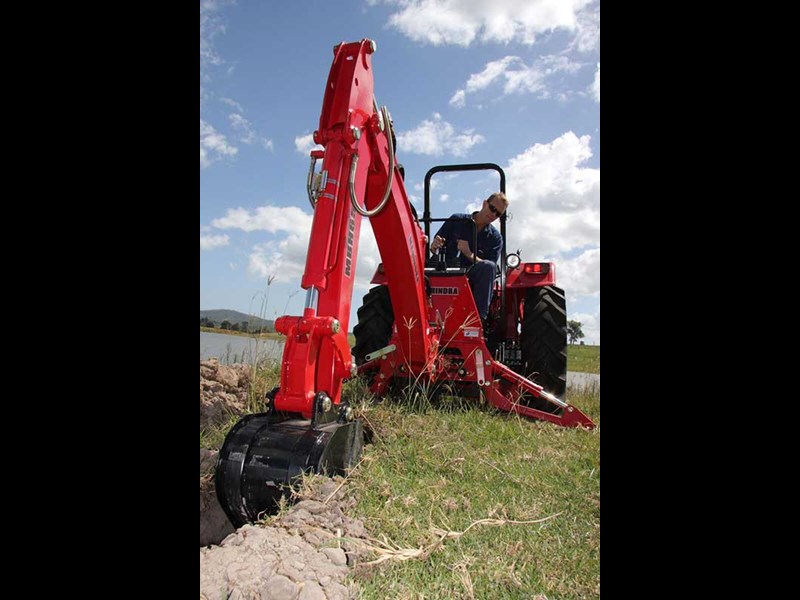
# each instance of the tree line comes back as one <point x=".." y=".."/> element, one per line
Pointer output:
<point x="242" y="326"/>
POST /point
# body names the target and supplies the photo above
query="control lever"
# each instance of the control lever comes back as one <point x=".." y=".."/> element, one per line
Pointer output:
<point x="441" y="263"/>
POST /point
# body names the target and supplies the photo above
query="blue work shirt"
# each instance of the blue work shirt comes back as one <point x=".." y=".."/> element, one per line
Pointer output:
<point x="490" y="242"/>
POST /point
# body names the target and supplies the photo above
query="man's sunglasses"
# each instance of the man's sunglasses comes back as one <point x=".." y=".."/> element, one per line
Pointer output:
<point x="496" y="212"/>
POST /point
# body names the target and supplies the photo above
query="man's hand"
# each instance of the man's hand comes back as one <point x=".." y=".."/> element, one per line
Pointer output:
<point x="437" y="243"/>
<point x="463" y="246"/>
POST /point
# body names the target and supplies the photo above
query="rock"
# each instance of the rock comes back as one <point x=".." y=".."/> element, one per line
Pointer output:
<point x="335" y="555"/>
<point x="279" y="588"/>
<point x="336" y="591"/>
<point x="228" y="376"/>
<point x="223" y="392"/>
<point x="312" y="591"/>
<point x="327" y="488"/>
<point x="312" y="506"/>
<point x="290" y="572"/>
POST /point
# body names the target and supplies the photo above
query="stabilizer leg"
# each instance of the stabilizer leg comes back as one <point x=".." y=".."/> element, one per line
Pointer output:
<point x="507" y="393"/>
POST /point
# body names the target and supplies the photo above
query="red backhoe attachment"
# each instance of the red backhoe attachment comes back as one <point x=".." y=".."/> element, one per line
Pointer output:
<point x="308" y="426"/>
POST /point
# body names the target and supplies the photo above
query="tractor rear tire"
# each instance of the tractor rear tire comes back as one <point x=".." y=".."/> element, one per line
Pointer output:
<point x="544" y="343"/>
<point x="373" y="332"/>
<point x="375" y="321"/>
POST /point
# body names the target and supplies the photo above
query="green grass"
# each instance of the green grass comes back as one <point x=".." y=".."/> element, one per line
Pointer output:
<point x="448" y="468"/>
<point x="584" y="359"/>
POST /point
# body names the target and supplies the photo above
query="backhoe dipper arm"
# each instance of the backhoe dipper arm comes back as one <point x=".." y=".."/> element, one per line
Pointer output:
<point x="357" y="166"/>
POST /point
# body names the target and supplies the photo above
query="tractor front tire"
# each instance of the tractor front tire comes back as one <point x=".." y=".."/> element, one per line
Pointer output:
<point x="544" y="342"/>
<point x="375" y="320"/>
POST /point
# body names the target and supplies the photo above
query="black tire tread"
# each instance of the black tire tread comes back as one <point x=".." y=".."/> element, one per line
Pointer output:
<point x="375" y="321"/>
<point x="544" y="342"/>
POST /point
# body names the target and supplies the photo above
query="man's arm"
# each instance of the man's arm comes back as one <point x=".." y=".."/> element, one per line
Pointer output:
<point x="442" y="234"/>
<point x="492" y="253"/>
<point x="464" y="248"/>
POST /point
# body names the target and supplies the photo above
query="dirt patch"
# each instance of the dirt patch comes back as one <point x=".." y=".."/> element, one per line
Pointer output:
<point x="303" y="554"/>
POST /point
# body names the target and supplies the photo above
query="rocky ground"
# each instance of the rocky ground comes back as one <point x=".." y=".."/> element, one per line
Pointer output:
<point x="304" y="554"/>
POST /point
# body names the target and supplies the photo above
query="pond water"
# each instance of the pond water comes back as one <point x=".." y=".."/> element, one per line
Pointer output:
<point x="231" y="349"/>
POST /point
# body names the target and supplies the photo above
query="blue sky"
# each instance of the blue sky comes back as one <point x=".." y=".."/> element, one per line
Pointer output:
<point x="514" y="82"/>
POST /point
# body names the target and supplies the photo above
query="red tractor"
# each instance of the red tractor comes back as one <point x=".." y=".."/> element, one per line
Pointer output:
<point x="418" y="327"/>
<point x="526" y="324"/>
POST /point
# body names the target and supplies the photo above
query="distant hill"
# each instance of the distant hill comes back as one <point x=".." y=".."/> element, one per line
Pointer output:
<point x="234" y="316"/>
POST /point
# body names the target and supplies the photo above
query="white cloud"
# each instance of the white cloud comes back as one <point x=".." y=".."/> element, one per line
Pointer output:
<point x="283" y="258"/>
<point x="434" y="137"/>
<point x="213" y="145"/>
<point x="209" y="242"/>
<point x="594" y="89"/>
<point x="243" y="127"/>
<point x="517" y="77"/>
<point x="444" y="197"/>
<point x="436" y="22"/>
<point x="555" y="209"/>
<point x="265" y="218"/>
<point x="211" y="25"/>
<point x="233" y="103"/>
<point x="247" y="134"/>
<point x="590" y="326"/>
<point x="537" y="77"/>
<point x="492" y="70"/>
<point x="582" y="271"/>
<point x="458" y="99"/>
<point x="305" y="144"/>
<point x="462" y="22"/>
<point x="587" y="38"/>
